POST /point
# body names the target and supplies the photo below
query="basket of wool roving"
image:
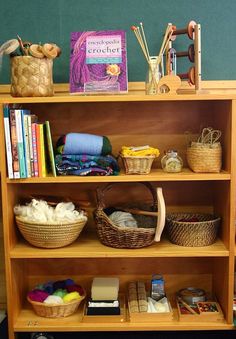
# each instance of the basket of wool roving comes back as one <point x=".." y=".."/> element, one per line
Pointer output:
<point x="46" y="226"/>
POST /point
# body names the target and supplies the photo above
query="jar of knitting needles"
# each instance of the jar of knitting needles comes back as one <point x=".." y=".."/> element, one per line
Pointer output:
<point x="153" y="76"/>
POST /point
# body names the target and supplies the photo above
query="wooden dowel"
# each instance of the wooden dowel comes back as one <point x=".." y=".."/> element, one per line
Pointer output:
<point x="139" y="212"/>
<point x="187" y="306"/>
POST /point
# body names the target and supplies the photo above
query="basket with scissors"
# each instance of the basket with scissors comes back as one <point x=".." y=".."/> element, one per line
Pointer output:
<point x="205" y="155"/>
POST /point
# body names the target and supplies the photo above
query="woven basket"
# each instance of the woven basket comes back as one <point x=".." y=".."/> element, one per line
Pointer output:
<point x="49" y="235"/>
<point x="55" y="311"/>
<point x="137" y="165"/>
<point x="125" y="237"/>
<point x="31" y="77"/>
<point x="192" y="233"/>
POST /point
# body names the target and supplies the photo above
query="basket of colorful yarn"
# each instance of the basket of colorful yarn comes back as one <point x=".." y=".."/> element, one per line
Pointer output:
<point x="138" y="160"/>
<point x="56" y="299"/>
<point x="46" y="226"/>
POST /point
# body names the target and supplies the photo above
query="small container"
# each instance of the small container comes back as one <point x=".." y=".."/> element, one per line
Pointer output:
<point x="158" y="287"/>
<point x="171" y="162"/>
<point x="152" y="77"/>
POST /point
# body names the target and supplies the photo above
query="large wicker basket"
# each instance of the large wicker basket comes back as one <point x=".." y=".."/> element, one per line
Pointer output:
<point x="55" y="311"/>
<point x="190" y="230"/>
<point x="125" y="237"/>
<point x="50" y="235"/>
<point x="31" y="77"/>
<point x="137" y="164"/>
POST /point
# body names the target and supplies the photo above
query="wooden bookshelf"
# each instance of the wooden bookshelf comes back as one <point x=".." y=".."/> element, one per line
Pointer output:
<point x="164" y="121"/>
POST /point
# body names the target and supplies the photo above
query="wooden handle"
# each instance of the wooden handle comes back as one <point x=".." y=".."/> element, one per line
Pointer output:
<point x="161" y="217"/>
<point x="139" y="212"/>
<point x="187" y="306"/>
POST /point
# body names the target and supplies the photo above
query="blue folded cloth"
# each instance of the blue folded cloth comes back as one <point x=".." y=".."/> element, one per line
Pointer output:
<point x="72" y="164"/>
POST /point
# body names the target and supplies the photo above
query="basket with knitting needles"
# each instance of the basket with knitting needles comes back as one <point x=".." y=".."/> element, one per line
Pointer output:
<point x="205" y="155"/>
<point x="31" y="77"/>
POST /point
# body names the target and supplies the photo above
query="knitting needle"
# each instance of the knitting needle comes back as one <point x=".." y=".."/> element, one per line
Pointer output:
<point x="144" y="38"/>
<point x="21" y="45"/>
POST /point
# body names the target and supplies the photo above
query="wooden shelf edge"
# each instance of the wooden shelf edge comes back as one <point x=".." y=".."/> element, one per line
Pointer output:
<point x="155" y="175"/>
<point x="28" y="321"/>
<point x="89" y="246"/>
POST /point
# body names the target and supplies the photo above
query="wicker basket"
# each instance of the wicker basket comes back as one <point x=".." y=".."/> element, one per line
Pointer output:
<point x="184" y="231"/>
<point x="31" y="77"/>
<point x="55" y="311"/>
<point x="50" y="235"/>
<point x="137" y="165"/>
<point x="125" y="237"/>
<point x="205" y="158"/>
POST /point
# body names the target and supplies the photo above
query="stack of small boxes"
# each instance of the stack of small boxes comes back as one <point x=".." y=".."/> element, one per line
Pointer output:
<point x="137" y="296"/>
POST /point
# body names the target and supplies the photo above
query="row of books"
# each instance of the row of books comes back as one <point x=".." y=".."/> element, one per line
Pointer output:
<point x="29" y="146"/>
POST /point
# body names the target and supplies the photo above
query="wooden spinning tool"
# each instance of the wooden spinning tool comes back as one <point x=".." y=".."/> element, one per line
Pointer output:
<point x="190" y="53"/>
<point x="169" y="84"/>
<point x="190" y="75"/>
<point x="189" y="30"/>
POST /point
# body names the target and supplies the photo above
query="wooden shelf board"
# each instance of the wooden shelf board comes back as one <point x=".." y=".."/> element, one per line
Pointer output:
<point x="155" y="175"/>
<point x="28" y="321"/>
<point x="89" y="246"/>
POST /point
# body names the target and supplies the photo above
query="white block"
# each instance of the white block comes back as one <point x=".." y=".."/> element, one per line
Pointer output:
<point x="105" y="288"/>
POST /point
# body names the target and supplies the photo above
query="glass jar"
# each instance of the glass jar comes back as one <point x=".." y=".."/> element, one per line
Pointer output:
<point x="152" y="77"/>
<point x="171" y="162"/>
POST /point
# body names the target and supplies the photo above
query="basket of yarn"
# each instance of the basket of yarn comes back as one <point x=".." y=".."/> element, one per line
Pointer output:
<point x="56" y="299"/>
<point x="138" y="160"/>
<point x="47" y="226"/>
<point x="205" y="155"/>
<point x="125" y="227"/>
<point x="192" y="229"/>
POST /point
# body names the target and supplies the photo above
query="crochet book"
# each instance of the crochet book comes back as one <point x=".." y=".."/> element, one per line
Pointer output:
<point x="98" y="62"/>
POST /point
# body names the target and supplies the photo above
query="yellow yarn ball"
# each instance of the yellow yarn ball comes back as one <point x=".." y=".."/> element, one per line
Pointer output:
<point x="71" y="296"/>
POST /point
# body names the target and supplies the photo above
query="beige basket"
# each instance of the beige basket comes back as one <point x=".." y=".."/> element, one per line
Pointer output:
<point x="203" y="158"/>
<point x="50" y="235"/>
<point x="137" y="165"/>
<point x="31" y="77"/>
<point x="184" y="231"/>
<point x="55" y="311"/>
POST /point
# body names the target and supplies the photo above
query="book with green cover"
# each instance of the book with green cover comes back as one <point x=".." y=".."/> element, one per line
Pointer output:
<point x="49" y="147"/>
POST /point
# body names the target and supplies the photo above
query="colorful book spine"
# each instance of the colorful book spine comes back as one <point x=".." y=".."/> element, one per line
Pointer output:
<point x="34" y="147"/>
<point x="8" y="142"/>
<point x="51" y="158"/>
<point x="31" y="119"/>
<point x="15" y="158"/>
<point x="25" y="132"/>
<point x="42" y="151"/>
<point x="20" y="144"/>
<point x="38" y="137"/>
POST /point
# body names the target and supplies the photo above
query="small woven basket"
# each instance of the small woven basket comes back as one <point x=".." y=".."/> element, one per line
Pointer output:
<point x="31" y="77"/>
<point x="137" y="164"/>
<point x="125" y="237"/>
<point x="205" y="155"/>
<point x="55" y="311"/>
<point x="203" y="158"/>
<point x="50" y="235"/>
<point x="184" y="231"/>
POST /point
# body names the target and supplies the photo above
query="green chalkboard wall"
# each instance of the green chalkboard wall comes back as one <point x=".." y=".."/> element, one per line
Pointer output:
<point x="54" y="20"/>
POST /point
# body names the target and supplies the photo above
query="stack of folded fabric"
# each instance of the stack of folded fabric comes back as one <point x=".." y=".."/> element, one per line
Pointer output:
<point x="85" y="154"/>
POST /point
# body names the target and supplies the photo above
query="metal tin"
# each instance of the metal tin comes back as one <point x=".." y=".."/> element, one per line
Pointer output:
<point x="192" y="295"/>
